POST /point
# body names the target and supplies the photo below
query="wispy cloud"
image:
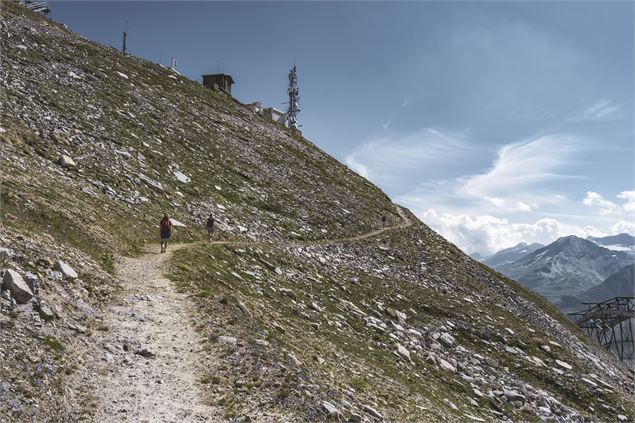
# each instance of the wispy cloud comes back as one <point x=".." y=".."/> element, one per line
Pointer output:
<point x="520" y="167"/>
<point x="392" y="155"/>
<point x="357" y="167"/>
<point x="602" y="110"/>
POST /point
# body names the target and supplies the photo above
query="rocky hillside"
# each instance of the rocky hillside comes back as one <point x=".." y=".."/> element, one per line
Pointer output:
<point x="568" y="266"/>
<point x="309" y="310"/>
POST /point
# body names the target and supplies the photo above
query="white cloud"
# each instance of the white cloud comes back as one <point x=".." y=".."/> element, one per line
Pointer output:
<point x="488" y="234"/>
<point x="511" y="206"/>
<point x="520" y="168"/>
<point x="624" y="226"/>
<point x="593" y="199"/>
<point x="357" y="167"/>
<point x="390" y="155"/>
<point x="629" y="196"/>
<point x="607" y="207"/>
<point x="521" y="165"/>
<point x="602" y="110"/>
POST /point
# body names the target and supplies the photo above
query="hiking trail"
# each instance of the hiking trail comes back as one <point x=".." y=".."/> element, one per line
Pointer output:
<point x="153" y="316"/>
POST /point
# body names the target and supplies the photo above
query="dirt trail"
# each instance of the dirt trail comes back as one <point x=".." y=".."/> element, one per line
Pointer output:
<point x="152" y="316"/>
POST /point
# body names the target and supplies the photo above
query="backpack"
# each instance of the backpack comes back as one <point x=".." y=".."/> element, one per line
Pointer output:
<point x="165" y="224"/>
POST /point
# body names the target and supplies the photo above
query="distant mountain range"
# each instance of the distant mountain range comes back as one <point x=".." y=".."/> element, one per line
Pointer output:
<point x="571" y="269"/>
<point x="621" y="242"/>
<point x="510" y="255"/>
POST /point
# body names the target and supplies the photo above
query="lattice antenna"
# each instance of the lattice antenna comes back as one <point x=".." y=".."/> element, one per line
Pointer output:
<point x="37" y="6"/>
<point x="124" y="43"/>
<point x="294" y="99"/>
<point x="173" y="64"/>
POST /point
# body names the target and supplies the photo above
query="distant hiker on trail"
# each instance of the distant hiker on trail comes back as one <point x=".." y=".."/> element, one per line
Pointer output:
<point x="383" y="221"/>
<point x="210" y="227"/>
<point x="166" y="232"/>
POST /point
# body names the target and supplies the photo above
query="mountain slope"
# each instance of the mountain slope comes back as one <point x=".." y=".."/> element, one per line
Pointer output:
<point x="511" y="254"/>
<point x="619" y="284"/>
<point x="567" y="266"/>
<point x="311" y="309"/>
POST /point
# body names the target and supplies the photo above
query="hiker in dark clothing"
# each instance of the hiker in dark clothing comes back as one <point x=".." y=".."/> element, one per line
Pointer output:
<point x="210" y="227"/>
<point x="166" y="232"/>
<point x="383" y="221"/>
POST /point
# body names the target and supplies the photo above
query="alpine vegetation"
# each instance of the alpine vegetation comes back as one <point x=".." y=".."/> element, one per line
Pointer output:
<point x="312" y="297"/>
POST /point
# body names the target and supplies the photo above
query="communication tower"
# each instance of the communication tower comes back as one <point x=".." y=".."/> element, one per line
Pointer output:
<point x="294" y="100"/>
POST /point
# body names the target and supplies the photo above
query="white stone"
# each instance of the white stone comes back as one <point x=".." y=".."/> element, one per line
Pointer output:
<point x="67" y="161"/>
<point x="123" y="75"/>
<point x="445" y="365"/>
<point x="66" y="269"/>
<point x="181" y="177"/>
<point x="227" y="340"/>
<point x="403" y="352"/>
<point x="564" y="364"/>
<point x="176" y="223"/>
<point x="330" y="409"/>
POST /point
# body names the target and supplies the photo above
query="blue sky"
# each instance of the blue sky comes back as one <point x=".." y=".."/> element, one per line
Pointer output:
<point x="495" y="122"/>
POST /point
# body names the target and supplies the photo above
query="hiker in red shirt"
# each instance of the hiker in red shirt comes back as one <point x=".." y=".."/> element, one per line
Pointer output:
<point x="166" y="232"/>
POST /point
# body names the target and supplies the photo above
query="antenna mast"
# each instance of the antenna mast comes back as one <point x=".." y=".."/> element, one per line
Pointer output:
<point x="124" y="46"/>
<point x="294" y="100"/>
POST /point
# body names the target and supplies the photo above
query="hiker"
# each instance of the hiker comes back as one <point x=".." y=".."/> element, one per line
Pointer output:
<point x="166" y="232"/>
<point x="210" y="227"/>
<point x="383" y="221"/>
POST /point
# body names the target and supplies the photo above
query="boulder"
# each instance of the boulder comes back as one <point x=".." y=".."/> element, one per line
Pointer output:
<point x="67" y="162"/>
<point x="46" y="313"/>
<point x="66" y="269"/>
<point x="445" y="365"/>
<point x="17" y="286"/>
<point x="491" y="362"/>
<point x="446" y="339"/>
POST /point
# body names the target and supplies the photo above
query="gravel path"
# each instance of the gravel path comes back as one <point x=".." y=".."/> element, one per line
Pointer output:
<point x="153" y="354"/>
<point x="154" y="317"/>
